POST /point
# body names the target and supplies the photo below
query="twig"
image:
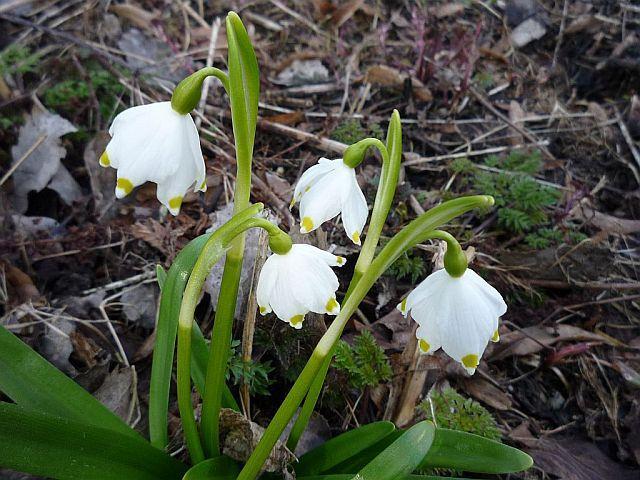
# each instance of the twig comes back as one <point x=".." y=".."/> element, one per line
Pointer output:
<point x="26" y="155"/>
<point x="565" y="12"/>
<point x="525" y="133"/>
<point x="630" y="144"/>
<point x="249" y="326"/>
<point x="299" y="17"/>
<point x="450" y="156"/>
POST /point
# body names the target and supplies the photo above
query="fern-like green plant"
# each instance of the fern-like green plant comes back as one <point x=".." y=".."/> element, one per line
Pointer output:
<point x="364" y="362"/>
<point x="452" y="410"/>
<point x="253" y="373"/>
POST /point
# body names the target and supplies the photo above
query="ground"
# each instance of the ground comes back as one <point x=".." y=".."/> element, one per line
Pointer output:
<point x="534" y="102"/>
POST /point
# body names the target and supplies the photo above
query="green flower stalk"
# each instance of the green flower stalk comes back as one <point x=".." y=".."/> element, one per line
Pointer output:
<point x="417" y="231"/>
<point x="243" y="89"/>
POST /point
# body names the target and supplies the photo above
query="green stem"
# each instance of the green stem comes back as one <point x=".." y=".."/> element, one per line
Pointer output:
<point x="391" y="161"/>
<point x="384" y="199"/>
<point x="211" y="253"/>
<point x="187" y="93"/>
<point x="243" y="89"/>
<point x="412" y="234"/>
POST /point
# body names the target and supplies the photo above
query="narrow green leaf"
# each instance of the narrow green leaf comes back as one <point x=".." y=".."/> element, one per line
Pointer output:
<point x="199" y="358"/>
<point x="166" y="331"/>
<point x="472" y="453"/>
<point x="35" y="384"/>
<point x="218" y="468"/>
<point x="402" y="456"/>
<point x="161" y="275"/>
<point x="349" y="476"/>
<point x="50" y="446"/>
<point x="346" y="445"/>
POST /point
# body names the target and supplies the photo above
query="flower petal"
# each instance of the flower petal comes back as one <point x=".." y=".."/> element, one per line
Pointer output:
<point x="354" y="211"/>
<point x="323" y="200"/>
<point x="311" y="176"/>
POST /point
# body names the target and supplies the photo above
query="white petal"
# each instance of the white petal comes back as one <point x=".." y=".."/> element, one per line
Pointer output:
<point x="330" y="259"/>
<point x="311" y="176"/>
<point x="354" y="211"/>
<point x="428" y="338"/>
<point x="322" y="202"/>
<point x="171" y="191"/>
<point x="284" y="305"/>
<point x="266" y="283"/>
<point x="193" y="140"/>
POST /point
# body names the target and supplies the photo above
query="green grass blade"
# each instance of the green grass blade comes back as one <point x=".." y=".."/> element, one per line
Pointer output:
<point x="402" y="456"/>
<point x="35" y="384"/>
<point x="473" y="453"/>
<point x="50" y="446"/>
<point x="218" y="468"/>
<point x="338" y="449"/>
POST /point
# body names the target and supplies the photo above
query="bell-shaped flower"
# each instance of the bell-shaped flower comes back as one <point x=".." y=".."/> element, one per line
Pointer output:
<point x="327" y="189"/>
<point x="459" y="314"/>
<point x="298" y="282"/>
<point x="157" y="144"/>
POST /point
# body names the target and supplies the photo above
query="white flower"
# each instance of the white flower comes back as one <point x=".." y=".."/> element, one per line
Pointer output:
<point x="155" y="143"/>
<point x="459" y="314"/>
<point x="298" y="282"/>
<point x="327" y="189"/>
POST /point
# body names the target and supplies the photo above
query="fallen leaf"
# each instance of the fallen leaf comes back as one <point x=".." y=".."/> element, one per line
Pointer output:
<point x="279" y="186"/>
<point x="516" y="114"/>
<point x="115" y="392"/>
<point x="140" y="17"/>
<point x="43" y="167"/>
<point x="385" y="76"/>
<point x="345" y="11"/>
<point x="534" y="339"/>
<point x="487" y="393"/>
<point x="139" y="305"/>
<point x="56" y="345"/>
<point x="33" y="225"/>
<point x="20" y="286"/>
<point x="303" y="72"/>
<point x="447" y="10"/>
<point x="571" y="458"/>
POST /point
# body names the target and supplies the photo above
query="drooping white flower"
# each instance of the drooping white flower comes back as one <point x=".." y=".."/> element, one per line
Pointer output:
<point x="459" y="314"/>
<point x="298" y="282"/>
<point x="326" y="190"/>
<point x="157" y="144"/>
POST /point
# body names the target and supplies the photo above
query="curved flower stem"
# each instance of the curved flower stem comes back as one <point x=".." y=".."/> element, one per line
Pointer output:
<point x="187" y="93"/>
<point x="213" y="250"/>
<point x="391" y="161"/>
<point x="414" y="233"/>
<point x="243" y="89"/>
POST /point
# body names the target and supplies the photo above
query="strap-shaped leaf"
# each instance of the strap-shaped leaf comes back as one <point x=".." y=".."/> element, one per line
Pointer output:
<point x="402" y="456"/>
<point x="244" y="84"/>
<point x="35" y="384"/>
<point x="451" y="449"/>
<point x="349" y="476"/>
<point x="218" y="468"/>
<point x="49" y="446"/>
<point x="173" y="285"/>
<point x="339" y="449"/>
<point x="473" y="453"/>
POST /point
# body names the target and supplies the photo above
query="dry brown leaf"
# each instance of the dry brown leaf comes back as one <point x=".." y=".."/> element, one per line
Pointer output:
<point x="386" y="76"/>
<point x="152" y="232"/>
<point x="21" y="287"/>
<point x="487" y="393"/>
<point x="138" y="16"/>
<point x="533" y="339"/>
<point x="571" y="458"/>
<point x="446" y="10"/>
<point x="345" y="12"/>
<point x="291" y="118"/>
